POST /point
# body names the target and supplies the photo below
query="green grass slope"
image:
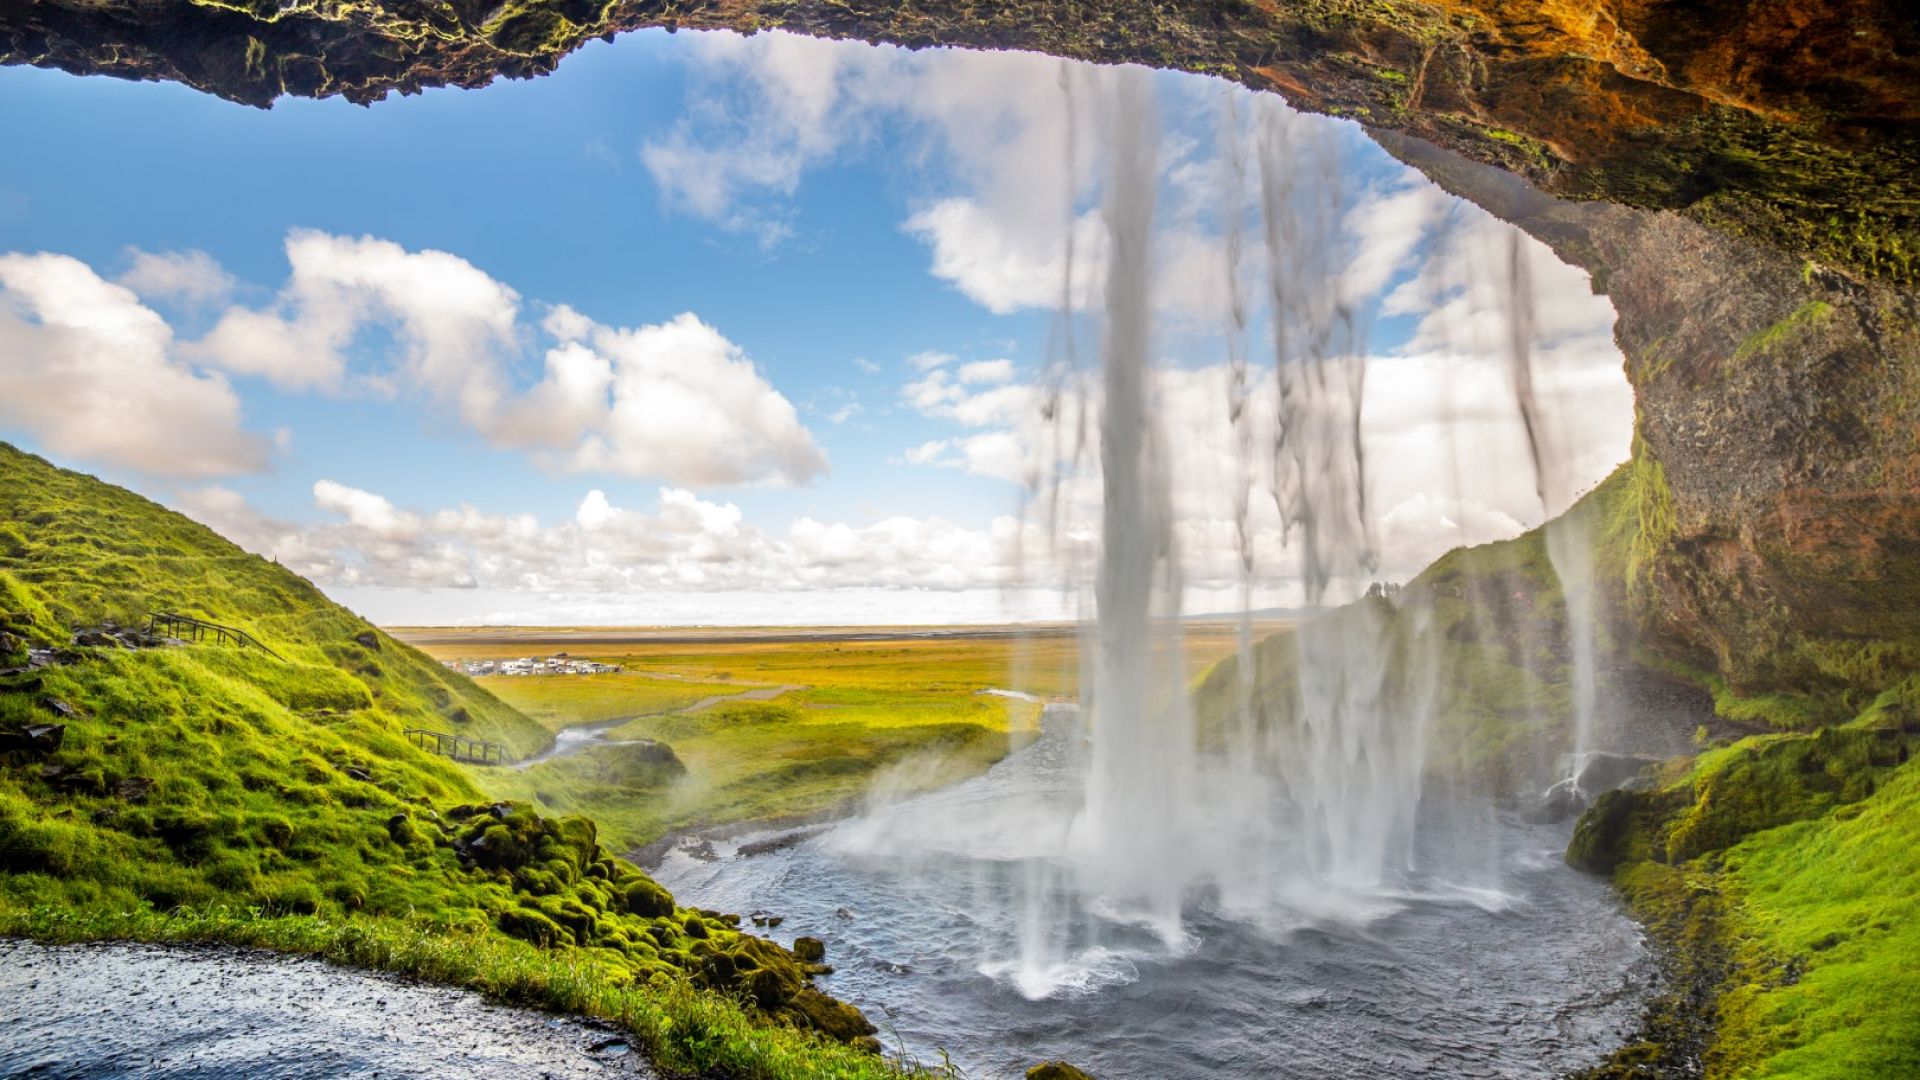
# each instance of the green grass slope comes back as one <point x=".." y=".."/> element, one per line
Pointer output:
<point x="811" y="752"/>
<point x="209" y="792"/>
<point x="1482" y="630"/>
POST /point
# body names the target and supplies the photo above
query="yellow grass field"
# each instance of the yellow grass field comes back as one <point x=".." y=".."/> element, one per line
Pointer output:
<point x="839" y="712"/>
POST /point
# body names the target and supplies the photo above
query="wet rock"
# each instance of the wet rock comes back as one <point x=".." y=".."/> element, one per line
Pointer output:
<point x="1056" y="1070"/>
<point x="700" y="849"/>
<point x="843" y="913"/>
<point x="1560" y="802"/>
<point x="1602" y="772"/>
<point x="355" y="772"/>
<point x="59" y="708"/>
<point x="892" y="968"/>
<point x="1596" y="774"/>
<point x="810" y="950"/>
<point x="776" y="843"/>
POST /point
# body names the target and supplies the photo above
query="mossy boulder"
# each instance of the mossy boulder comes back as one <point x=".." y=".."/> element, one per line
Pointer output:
<point x="1056" y="1070"/>
<point x="832" y="1017"/>
<point x="1600" y="839"/>
<point x="645" y="897"/>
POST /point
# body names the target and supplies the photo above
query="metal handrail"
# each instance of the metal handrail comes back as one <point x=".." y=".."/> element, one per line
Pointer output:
<point x="458" y="747"/>
<point x="198" y="629"/>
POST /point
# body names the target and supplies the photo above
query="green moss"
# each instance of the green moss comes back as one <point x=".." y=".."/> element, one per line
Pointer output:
<point x="1804" y="319"/>
<point x="1778" y="870"/>
<point x="1653" y="522"/>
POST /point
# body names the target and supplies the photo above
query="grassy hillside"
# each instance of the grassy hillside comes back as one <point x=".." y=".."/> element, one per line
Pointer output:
<point x="809" y="752"/>
<point x="209" y="792"/>
<point x="1483" y="629"/>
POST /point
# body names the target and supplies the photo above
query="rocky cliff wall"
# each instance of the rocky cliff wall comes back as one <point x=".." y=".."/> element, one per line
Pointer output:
<point x="1777" y="458"/>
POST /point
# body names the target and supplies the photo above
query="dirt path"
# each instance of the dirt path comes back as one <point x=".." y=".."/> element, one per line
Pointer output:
<point x="90" y="1012"/>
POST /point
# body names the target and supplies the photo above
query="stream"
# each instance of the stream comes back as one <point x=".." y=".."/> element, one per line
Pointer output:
<point x="569" y="741"/>
<point x="948" y="923"/>
<point x="131" y="1010"/>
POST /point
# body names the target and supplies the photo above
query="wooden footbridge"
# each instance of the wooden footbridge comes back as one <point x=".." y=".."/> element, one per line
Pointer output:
<point x="187" y="628"/>
<point x="458" y="747"/>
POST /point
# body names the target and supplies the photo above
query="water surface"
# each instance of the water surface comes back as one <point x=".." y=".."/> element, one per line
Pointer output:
<point x="952" y="921"/>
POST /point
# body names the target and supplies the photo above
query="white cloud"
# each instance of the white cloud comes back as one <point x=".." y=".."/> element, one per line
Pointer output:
<point x="1004" y="268"/>
<point x="686" y="404"/>
<point x="682" y="543"/>
<point x="90" y="372"/>
<point x="770" y="106"/>
<point x="986" y="371"/>
<point x="191" y="277"/>
<point x="674" y="401"/>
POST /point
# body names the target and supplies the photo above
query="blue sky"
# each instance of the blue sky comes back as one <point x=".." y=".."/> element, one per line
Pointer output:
<point x="860" y="237"/>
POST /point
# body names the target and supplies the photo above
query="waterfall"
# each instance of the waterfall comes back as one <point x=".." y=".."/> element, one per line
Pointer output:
<point x="1304" y="807"/>
<point x="1139" y="789"/>
<point x="1569" y="541"/>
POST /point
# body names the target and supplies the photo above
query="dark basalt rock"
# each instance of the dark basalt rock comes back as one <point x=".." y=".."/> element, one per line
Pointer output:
<point x="368" y="640"/>
<point x="34" y="740"/>
<point x="59" y="708"/>
<point x="810" y="949"/>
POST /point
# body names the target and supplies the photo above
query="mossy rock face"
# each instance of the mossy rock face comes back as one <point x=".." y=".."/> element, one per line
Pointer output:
<point x="1600" y="839"/>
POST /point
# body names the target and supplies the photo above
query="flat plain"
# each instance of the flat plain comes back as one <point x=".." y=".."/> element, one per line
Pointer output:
<point x="712" y="728"/>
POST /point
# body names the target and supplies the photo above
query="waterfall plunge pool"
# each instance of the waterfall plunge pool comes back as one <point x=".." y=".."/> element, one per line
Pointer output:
<point x="958" y="922"/>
